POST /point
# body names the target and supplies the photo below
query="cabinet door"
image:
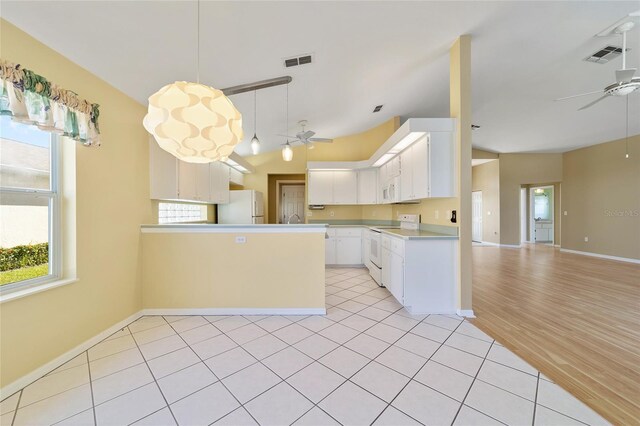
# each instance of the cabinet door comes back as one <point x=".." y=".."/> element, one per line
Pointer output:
<point x="203" y="183"/>
<point x="163" y="173"/>
<point x="320" y="189"/>
<point x="345" y="187"/>
<point x="219" y="177"/>
<point x="396" y="277"/>
<point x="420" y="168"/>
<point x="330" y="251"/>
<point x="385" y="259"/>
<point x="366" y="250"/>
<point x="349" y="251"/>
<point x="367" y="186"/>
<point x="187" y="177"/>
<point x="406" y="175"/>
<point x="236" y="176"/>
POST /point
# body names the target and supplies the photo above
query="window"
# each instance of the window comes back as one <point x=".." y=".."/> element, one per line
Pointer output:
<point x="29" y="205"/>
<point x="542" y="205"/>
<point x="181" y="212"/>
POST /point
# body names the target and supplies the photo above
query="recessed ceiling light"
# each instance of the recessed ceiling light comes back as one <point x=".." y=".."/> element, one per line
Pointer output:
<point x="474" y="127"/>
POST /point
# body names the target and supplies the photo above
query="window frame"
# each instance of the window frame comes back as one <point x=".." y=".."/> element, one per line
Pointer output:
<point x="54" y="220"/>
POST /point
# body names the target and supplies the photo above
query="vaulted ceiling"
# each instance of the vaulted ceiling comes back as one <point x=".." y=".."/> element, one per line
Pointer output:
<point x="524" y="55"/>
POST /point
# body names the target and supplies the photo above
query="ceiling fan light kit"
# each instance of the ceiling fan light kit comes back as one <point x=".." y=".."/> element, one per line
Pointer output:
<point x="194" y="122"/>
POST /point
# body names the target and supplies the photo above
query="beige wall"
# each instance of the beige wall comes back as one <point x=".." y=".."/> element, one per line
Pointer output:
<point x="112" y="200"/>
<point x="486" y="178"/>
<point x="209" y="270"/>
<point x="601" y="194"/>
<point x="427" y="210"/>
<point x="517" y="170"/>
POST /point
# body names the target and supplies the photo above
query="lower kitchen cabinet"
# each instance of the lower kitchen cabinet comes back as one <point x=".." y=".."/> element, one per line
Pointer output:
<point x="343" y="246"/>
<point x="420" y="273"/>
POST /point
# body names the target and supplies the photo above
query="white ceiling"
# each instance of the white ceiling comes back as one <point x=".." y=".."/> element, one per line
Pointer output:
<point x="524" y="55"/>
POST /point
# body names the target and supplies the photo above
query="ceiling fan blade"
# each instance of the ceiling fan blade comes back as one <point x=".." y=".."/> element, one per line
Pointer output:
<point x="307" y="134"/>
<point x="593" y="103"/>
<point x="288" y="136"/>
<point x="625" y="76"/>
<point x="325" y="140"/>
<point x="577" y="96"/>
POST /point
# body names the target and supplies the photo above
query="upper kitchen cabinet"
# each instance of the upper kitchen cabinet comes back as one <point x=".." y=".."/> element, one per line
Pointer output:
<point x="236" y="177"/>
<point x="367" y="186"/>
<point x="172" y="179"/>
<point x="414" y="176"/>
<point x="442" y="165"/>
<point x="333" y="187"/>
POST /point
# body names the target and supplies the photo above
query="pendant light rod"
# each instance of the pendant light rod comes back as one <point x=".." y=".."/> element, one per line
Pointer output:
<point x="626" y="140"/>
<point x="255" y="119"/>
<point x="258" y="85"/>
<point x="198" y="47"/>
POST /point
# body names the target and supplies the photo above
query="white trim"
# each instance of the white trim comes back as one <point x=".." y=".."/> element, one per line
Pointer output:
<point x="467" y="313"/>
<point x="603" y="256"/>
<point x="511" y="245"/>
<point x="36" y="288"/>
<point x="234" y="311"/>
<point x="556" y="245"/>
<point x="39" y="372"/>
<point x="487" y="243"/>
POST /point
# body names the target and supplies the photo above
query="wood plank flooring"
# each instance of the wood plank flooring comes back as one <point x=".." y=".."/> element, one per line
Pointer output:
<point x="574" y="318"/>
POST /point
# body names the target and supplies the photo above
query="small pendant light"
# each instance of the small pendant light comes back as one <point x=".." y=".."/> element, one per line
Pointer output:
<point x="287" y="152"/>
<point x="255" y="143"/>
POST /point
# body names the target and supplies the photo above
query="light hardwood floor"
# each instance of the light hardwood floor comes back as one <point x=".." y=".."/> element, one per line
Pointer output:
<point x="574" y="318"/>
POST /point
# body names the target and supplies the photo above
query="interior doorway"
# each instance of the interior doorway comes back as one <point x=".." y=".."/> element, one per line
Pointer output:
<point x="541" y="209"/>
<point x="291" y="202"/>
<point x="523" y="215"/>
<point x="476" y="216"/>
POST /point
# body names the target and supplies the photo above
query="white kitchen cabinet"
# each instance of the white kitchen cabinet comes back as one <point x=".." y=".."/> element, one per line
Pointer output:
<point x="236" y="177"/>
<point x="203" y="183"/>
<point x="187" y="181"/>
<point x="442" y="165"/>
<point x="344" y="246"/>
<point x="219" y="182"/>
<point x="367" y="186"/>
<point x="345" y="187"/>
<point x="332" y="187"/>
<point x="421" y="273"/>
<point x="414" y="175"/>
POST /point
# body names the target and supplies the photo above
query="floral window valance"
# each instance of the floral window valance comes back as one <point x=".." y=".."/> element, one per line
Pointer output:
<point x="29" y="98"/>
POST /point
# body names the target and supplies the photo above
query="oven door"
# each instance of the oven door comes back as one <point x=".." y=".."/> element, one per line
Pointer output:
<point x="376" y="250"/>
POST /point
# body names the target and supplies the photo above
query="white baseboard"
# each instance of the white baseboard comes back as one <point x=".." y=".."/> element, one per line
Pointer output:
<point x="27" y="379"/>
<point x="603" y="256"/>
<point x="511" y="245"/>
<point x="467" y="313"/>
<point x="235" y="311"/>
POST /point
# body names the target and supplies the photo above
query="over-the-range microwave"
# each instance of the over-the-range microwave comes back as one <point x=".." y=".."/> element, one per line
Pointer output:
<point x="391" y="190"/>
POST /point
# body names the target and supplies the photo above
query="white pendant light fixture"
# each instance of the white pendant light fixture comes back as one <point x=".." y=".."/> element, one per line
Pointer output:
<point x="255" y="143"/>
<point x="194" y="122"/>
<point x="287" y="152"/>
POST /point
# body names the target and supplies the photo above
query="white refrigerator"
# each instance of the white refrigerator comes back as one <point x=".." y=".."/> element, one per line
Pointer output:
<point x="245" y="207"/>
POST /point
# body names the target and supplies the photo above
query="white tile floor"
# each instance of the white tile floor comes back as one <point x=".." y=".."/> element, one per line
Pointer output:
<point x="368" y="361"/>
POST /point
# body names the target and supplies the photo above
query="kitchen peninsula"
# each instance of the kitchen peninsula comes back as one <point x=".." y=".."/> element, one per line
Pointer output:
<point x="212" y="269"/>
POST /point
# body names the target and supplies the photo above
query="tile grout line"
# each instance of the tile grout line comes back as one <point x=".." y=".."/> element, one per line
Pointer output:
<point x="15" y="413"/>
<point x="535" y="401"/>
<point x="214" y="375"/>
<point x="154" y="378"/>
<point x="93" y="401"/>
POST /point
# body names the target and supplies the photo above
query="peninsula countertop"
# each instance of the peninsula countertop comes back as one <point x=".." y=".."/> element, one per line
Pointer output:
<point x="214" y="228"/>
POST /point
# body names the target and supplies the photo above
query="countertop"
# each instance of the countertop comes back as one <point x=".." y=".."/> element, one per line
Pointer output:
<point x="235" y="228"/>
<point x="408" y="234"/>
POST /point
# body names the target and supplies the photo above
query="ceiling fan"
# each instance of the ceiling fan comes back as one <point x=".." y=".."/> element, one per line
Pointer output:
<point x="625" y="83"/>
<point x="306" y="137"/>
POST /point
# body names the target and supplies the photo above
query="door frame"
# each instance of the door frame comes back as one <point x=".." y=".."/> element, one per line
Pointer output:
<point x="532" y="222"/>
<point x="523" y="216"/>
<point x="279" y="184"/>
<point x="481" y="216"/>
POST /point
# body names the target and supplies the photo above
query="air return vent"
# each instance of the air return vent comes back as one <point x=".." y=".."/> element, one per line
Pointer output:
<point x="605" y="54"/>
<point x="377" y="108"/>
<point x="297" y="60"/>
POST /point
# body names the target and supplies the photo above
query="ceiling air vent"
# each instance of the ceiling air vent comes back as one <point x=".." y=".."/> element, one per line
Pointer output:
<point x="377" y="108"/>
<point x="298" y="60"/>
<point x="605" y="54"/>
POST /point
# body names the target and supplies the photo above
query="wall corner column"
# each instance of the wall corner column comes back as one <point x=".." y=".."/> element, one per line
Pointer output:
<point x="460" y="109"/>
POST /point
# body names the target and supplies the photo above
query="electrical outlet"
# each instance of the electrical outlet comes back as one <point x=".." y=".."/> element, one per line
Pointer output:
<point x="241" y="240"/>
<point x="309" y="214"/>
<point x="332" y="213"/>
<point x="489" y="213"/>
<point x="565" y="212"/>
<point x="448" y="213"/>
<point x="437" y="214"/>
<point x="586" y="239"/>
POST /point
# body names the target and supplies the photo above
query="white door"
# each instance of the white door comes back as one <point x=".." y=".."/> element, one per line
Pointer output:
<point x="476" y="216"/>
<point x="292" y="203"/>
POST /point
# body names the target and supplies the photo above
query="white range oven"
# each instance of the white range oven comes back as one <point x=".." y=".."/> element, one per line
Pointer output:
<point x="375" y="256"/>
